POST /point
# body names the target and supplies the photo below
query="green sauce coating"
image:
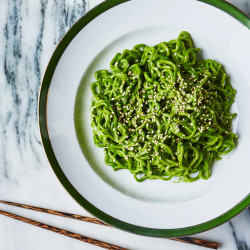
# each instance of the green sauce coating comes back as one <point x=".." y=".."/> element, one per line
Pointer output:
<point x="163" y="113"/>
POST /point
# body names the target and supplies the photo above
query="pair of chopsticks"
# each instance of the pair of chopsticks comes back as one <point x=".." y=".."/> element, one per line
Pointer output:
<point x="199" y="242"/>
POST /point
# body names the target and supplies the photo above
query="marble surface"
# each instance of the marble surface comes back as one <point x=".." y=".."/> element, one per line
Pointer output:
<point x="29" y="32"/>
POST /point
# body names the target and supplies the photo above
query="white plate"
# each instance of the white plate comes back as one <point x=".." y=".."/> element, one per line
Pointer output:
<point x="115" y="196"/>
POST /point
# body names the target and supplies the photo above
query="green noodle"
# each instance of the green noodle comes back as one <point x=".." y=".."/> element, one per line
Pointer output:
<point x="163" y="113"/>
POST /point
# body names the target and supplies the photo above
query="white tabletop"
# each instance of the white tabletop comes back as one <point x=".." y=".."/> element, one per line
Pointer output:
<point x="29" y="32"/>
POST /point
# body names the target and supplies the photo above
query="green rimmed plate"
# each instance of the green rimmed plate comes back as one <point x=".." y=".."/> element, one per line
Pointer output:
<point x="153" y="208"/>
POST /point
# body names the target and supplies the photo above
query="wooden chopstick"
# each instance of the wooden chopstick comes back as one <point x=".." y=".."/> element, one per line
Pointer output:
<point x="58" y="213"/>
<point x="198" y="242"/>
<point x="64" y="232"/>
<point x="190" y="240"/>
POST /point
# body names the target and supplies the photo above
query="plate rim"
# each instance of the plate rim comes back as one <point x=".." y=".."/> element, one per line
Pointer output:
<point x="43" y="127"/>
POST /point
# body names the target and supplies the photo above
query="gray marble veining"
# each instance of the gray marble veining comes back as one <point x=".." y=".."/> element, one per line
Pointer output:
<point x="243" y="5"/>
<point x="29" y="32"/>
<point x="24" y="54"/>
